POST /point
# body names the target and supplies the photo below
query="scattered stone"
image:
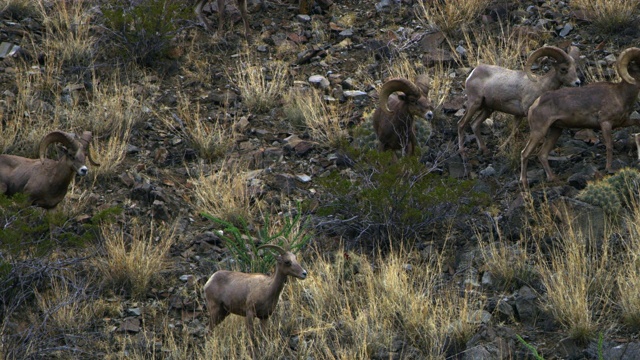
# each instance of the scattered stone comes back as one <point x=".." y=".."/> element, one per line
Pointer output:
<point x="303" y="18"/>
<point x="566" y="30"/>
<point x="130" y="325"/>
<point x="319" y="81"/>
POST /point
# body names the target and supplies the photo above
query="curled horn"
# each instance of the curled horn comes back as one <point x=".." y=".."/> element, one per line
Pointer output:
<point x="65" y="139"/>
<point x="623" y="64"/>
<point x="277" y="248"/>
<point x="393" y="85"/>
<point x="551" y="51"/>
<point x="85" y="139"/>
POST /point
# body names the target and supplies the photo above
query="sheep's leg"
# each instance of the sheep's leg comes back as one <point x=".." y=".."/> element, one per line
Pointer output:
<point x="547" y="146"/>
<point x="471" y="110"/>
<point x="476" y="125"/>
<point x="608" y="143"/>
<point x="217" y="314"/>
<point x="198" y="11"/>
<point x="534" y="139"/>
<point x="249" y="322"/>
<point x="242" y="6"/>
<point x="221" y="11"/>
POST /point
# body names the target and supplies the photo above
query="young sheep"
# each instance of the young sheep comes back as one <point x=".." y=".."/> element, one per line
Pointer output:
<point x="250" y="295"/>
<point x="45" y="180"/>
<point x="492" y="88"/>
<point x="601" y="105"/>
<point x="393" y="119"/>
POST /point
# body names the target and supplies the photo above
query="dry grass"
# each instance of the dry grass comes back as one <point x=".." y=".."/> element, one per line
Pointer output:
<point x="350" y="307"/>
<point x="321" y="119"/>
<point x="508" y="50"/>
<point x="65" y="304"/>
<point x="135" y="258"/>
<point x="68" y="38"/>
<point x="450" y="16"/>
<point x="261" y="85"/>
<point x="224" y="193"/>
<point x="577" y="276"/>
<point x="609" y="15"/>
<point x="211" y="138"/>
<point x="628" y="275"/>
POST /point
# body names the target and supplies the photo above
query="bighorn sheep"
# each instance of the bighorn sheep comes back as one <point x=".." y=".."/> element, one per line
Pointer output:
<point x="602" y="105"/>
<point x="492" y="88"/>
<point x="393" y="119"/>
<point x="242" y="6"/>
<point x="250" y="295"/>
<point x="45" y="180"/>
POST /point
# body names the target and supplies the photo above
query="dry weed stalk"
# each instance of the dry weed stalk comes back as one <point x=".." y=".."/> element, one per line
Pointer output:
<point x="134" y="258"/>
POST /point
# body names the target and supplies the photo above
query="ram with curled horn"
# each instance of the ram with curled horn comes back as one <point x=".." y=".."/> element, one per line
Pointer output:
<point x="492" y="88"/>
<point x="602" y="105"/>
<point x="46" y="181"/>
<point x="250" y="295"/>
<point x="393" y="121"/>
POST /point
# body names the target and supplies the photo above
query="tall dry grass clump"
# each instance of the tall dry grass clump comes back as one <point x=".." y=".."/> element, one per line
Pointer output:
<point x="450" y="16"/>
<point x="210" y="137"/>
<point x="68" y="39"/>
<point x="323" y="120"/>
<point x="225" y="193"/>
<point x="609" y="15"/>
<point x="576" y="274"/>
<point x="261" y="85"/>
<point x="66" y="304"/>
<point x="134" y="258"/>
<point x="111" y="115"/>
<point x="628" y="275"/>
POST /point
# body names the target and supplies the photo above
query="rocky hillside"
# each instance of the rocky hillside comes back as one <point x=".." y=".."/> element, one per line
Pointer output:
<point x="344" y="51"/>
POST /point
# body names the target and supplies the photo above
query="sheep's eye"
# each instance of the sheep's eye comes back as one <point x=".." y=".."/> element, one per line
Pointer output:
<point x="288" y="263"/>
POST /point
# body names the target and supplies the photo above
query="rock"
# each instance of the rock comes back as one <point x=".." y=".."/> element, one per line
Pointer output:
<point x="303" y="18"/>
<point x="319" y="81"/>
<point x="303" y="178"/>
<point x="488" y="171"/>
<point x="130" y="325"/>
<point x="526" y="307"/>
<point x="628" y="351"/>
<point x="566" y="30"/>
<point x="134" y="311"/>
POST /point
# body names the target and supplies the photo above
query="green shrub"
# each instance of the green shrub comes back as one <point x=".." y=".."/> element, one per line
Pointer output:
<point x="626" y="183"/>
<point x="602" y="194"/>
<point x="381" y="200"/>
<point x="291" y="234"/>
<point x="142" y="31"/>
<point x="614" y="193"/>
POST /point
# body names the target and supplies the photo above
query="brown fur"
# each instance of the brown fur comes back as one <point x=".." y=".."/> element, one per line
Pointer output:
<point x="394" y="126"/>
<point x="492" y="88"/>
<point x="602" y="105"/>
<point x="249" y="295"/>
<point x="45" y="181"/>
